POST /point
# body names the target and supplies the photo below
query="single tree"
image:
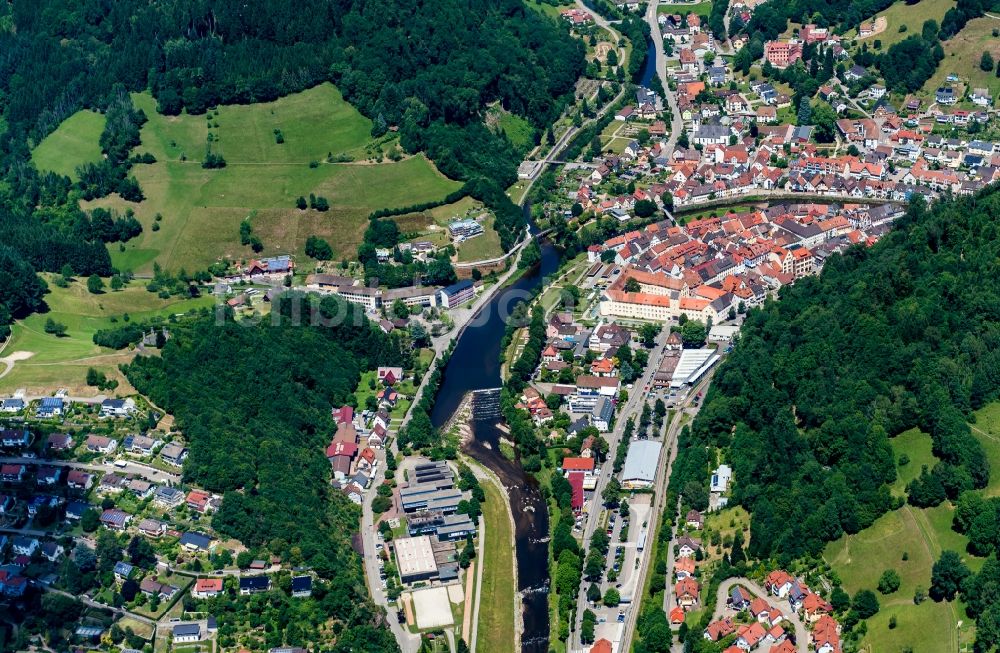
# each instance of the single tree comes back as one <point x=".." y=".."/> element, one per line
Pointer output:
<point x="94" y="284"/>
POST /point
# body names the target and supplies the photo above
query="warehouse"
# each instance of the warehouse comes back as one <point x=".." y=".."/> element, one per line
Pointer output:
<point x="415" y="559"/>
<point x="640" y="464"/>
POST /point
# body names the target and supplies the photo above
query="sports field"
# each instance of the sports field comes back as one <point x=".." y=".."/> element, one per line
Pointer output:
<point x="76" y="141"/>
<point x="202" y="209"/>
<point x="46" y="363"/>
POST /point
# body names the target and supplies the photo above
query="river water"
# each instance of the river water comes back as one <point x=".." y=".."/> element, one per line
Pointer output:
<point x="475" y="365"/>
<point x="649" y="69"/>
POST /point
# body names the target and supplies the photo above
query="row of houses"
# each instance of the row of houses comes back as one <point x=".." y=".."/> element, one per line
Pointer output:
<point x="375" y="299"/>
<point x="51" y="407"/>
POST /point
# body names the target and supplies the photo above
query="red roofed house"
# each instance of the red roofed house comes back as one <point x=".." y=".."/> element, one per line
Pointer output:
<point x="750" y="636"/>
<point x="578" y="465"/>
<point x="343" y="415"/>
<point x="686" y="593"/>
<point x="826" y="635"/>
<point x="684" y="567"/>
<point x="813" y="607"/>
<point x="198" y="500"/>
<point x="601" y="646"/>
<point x="677" y="615"/>
<point x="719" y="629"/>
<point x="783" y="647"/>
<point x="390" y="375"/>
<point x="779" y="582"/>
<point x="206" y="588"/>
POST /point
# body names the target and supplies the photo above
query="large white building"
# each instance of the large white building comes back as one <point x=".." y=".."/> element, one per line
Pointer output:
<point x="640" y="466"/>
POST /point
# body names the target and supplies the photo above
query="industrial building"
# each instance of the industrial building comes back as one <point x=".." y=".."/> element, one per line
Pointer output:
<point x="640" y="464"/>
<point x="415" y="559"/>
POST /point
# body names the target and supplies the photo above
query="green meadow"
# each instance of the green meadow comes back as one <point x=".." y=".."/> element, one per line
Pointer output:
<point x="919" y="535"/>
<point x="326" y="150"/>
<point x="76" y="141"/>
<point x="62" y="362"/>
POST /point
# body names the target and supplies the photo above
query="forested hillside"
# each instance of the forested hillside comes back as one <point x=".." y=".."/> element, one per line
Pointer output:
<point x="427" y="68"/>
<point x="904" y="334"/>
<point x="254" y="403"/>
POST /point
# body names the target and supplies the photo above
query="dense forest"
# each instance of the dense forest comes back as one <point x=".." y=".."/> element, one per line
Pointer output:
<point x="903" y="334"/>
<point x="254" y="403"/>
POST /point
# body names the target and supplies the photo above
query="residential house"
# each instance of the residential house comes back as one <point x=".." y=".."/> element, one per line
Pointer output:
<point x="12" y="405"/>
<point x="254" y="584"/>
<point x="169" y="497"/>
<point x="48" y="475"/>
<point x="79" y="479"/>
<point x="50" y="407"/>
<point x="12" y="473"/>
<point x="686" y="593"/>
<point x="15" y="438"/>
<point x="194" y="541"/>
<point x="115" y="519"/>
<point x="206" y="588"/>
<point x="302" y="586"/>
<point x="118" y="407"/>
<point x="186" y="633"/>
<point x="24" y="546"/>
<point x="59" y="442"/>
<point x="101" y="444"/>
<point x="198" y="500"/>
<point x="152" y="527"/>
<point x="174" y="453"/>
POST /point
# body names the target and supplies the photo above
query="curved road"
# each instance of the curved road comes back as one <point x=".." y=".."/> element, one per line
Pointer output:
<point x="801" y="635"/>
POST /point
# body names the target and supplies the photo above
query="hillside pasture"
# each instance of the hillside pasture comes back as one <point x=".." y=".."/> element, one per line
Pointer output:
<point x="202" y="209"/>
<point x="75" y="142"/>
<point x="62" y="362"/>
<point x="962" y="53"/>
<point x="910" y="16"/>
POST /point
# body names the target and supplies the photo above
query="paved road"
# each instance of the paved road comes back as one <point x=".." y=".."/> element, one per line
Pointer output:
<point x="633" y="407"/>
<point x="151" y="474"/>
<point x="688" y="408"/>
<point x="676" y="122"/>
<point x="801" y="635"/>
<point x="408" y="642"/>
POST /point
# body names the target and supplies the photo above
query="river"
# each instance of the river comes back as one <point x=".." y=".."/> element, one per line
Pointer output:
<point x="475" y="365"/>
<point x="649" y="68"/>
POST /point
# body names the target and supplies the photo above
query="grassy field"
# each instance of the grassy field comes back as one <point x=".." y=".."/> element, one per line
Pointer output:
<point x="482" y="247"/>
<point x="432" y="224"/>
<point x="860" y="559"/>
<point x="922" y="534"/>
<point x="518" y="130"/>
<point x="961" y="57"/>
<point x="552" y="11"/>
<point x="202" y="209"/>
<point x="917" y="447"/>
<point x="73" y="143"/>
<point x="703" y="9"/>
<point x="912" y="16"/>
<point x="987" y="431"/>
<point x="63" y="362"/>
<point x="496" y="604"/>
